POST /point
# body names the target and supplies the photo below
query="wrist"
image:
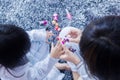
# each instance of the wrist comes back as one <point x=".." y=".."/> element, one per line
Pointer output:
<point x="77" y="40"/>
<point x="53" y="56"/>
<point x="76" y="61"/>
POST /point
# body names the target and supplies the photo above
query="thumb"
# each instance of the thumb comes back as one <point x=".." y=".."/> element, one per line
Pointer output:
<point x="65" y="48"/>
<point x="76" y="40"/>
<point x="63" y="57"/>
<point x="52" y="45"/>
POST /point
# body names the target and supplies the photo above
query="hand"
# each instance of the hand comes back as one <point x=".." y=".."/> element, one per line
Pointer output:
<point x="69" y="56"/>
<point x="74" y="35"/>
<point x="57" y="50"/>
<point x="62" y="66"/>
<point x="48" y="34"/>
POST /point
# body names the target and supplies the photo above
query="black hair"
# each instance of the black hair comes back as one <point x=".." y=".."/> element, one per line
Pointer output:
<point x="14" y="44"/>
<point x="100" y="47"/>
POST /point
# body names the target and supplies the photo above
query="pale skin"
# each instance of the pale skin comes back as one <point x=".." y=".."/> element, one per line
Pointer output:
<point x="48" y="35"/>
<point x="57" y="50"/>
<point x="69" y="56"/>
<point x="62" y="66"/>
<point x="75" y="75"/>
<point x="74" y="36"/>
<point x="60" y="51"/>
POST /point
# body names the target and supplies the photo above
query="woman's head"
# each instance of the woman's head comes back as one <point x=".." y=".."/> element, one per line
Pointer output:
<point x="100" y="47"/>
<point x="14" y="44"/>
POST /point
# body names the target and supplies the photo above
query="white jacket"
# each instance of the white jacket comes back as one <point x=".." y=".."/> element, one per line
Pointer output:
<point x="38" y="71"/>
<point x="39" y="48"/>
<point x="28" y="72"/>
<point x="39" y="51"/>
<point x="80" y="68"/>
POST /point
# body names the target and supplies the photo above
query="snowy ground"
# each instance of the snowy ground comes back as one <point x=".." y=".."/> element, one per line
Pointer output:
<point x="28" y="13"/>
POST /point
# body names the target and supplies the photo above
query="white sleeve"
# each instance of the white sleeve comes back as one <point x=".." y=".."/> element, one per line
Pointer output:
<point x="41" y="69"/>
<point x="72" y="66"/>
<point x="54" y="74"/>
<point x="37" y="34"/>
<point x="84" y="72"/>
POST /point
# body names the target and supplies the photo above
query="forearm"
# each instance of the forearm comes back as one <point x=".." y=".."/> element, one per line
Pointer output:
<point x="41" y="69"/>
<point x="75" y="75"/>
<point x="54" y="74"/>
<point x="37" y="35"/>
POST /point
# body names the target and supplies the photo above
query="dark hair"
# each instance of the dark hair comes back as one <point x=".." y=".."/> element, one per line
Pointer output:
<point x="14" y="44"/>
<point x="100" y="47"/>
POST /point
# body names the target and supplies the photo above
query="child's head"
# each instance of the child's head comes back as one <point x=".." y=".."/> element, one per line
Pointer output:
<point x="14" y="44"/>
<point x="100" y="47"/>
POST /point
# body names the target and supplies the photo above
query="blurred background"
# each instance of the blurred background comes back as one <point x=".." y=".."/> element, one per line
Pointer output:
<point x="28" y="13"/>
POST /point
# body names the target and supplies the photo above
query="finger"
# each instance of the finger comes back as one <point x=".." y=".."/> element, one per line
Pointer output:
<point x="62" y="52"/>
<point x="69" y="33"/>
<point x="52" y="45"/>
<point x="72" y="39"/>
<point x="58" y="43"/>
<point x="67" y="51"/>
<point x="51" y="34"/>
<point x="60" y="46"/>
<point x="63" y="57"/>
<point x="65" y="48"/>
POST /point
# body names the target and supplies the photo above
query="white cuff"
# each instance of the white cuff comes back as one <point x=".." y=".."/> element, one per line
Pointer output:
<point x="72" y="66"/>
<point x="79" y="65"/>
